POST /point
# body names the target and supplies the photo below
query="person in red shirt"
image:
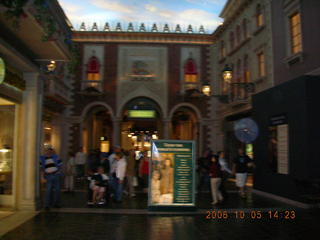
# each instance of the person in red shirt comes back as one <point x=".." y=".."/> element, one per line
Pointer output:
<point x="215" y="180"/>
<point x="144" y="170"/>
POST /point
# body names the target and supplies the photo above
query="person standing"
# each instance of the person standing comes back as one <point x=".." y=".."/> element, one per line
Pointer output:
<point x="112" y="157"/>
<point x="215" y="180"/>
<point x="144" y="171"/>
<point x="50" y="166"/>
<point x="226" y="171"/>
<point x="70" y="172"/>
<point x="131" y="172"/>
<point x="118" y="172"/>
<point x="80" y="161"/>
<point x="240" y="169"/>
<point x="204" y="163"/>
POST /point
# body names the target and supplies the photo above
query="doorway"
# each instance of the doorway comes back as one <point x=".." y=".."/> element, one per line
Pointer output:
<point x="141" y="122"/>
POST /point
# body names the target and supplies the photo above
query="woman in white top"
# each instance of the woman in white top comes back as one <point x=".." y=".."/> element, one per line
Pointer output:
<point x="226" y="171"/>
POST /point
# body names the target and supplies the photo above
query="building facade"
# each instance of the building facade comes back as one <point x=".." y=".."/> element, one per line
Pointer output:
<point x="134" y="85"/>
<point x="295" y="35"/>
<point x="287" y="151"/>
<point x="243" y="43"/>
<point x="24" y="66"/>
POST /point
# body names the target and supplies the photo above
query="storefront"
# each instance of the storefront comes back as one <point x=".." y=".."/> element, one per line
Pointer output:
<point x="7" y="151"/>
<point x="20" y="114"/>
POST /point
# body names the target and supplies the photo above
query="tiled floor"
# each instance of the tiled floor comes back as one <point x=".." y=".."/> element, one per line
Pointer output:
<point x="78" y="200"/>
<point x="56" y="226"/>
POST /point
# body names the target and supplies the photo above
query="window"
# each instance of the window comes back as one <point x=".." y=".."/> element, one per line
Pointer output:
<point x="244" y="28"/>
<point x="238" y="73"/>
<point x="222" y="49"/>
<point x="190" y="74"/>
<point x="7" y="119"/>
<point x="246" y="76"/>
<point x="93" y="69"/>
<point x="231" y="41"/>
<point x="93" y="75"/>
<point x="238" y="34"/>
<point x="236" y="89"/>
<point x="246" y="73"/>
<point x="259" y="16"/>
<point x="295" y="33"/>
<point x="261" y="65"/>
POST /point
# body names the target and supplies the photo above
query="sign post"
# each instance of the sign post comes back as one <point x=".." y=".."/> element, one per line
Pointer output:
<point x="172" y="175"/>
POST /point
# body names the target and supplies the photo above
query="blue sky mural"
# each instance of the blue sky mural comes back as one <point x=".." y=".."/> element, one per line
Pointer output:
<point x="183" y="12"/>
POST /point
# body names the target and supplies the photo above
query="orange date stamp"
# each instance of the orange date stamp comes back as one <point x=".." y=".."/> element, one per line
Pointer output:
<point x="252" y="214"/>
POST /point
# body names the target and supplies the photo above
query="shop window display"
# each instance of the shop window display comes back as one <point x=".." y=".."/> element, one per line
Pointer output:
<point x="7" y="116"/>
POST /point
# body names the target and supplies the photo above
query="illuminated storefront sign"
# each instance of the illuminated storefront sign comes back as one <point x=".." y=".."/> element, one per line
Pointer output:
<point x="172" y="175"/>
<point x="142" y="114"/>
<point x="2" y="70"/>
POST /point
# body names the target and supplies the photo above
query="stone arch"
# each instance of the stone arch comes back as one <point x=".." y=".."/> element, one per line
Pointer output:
<point x="91" y="105"/>
<point x="124" y="103"/>
<point x="194" y="108"/>
<point x="141" y="91"/>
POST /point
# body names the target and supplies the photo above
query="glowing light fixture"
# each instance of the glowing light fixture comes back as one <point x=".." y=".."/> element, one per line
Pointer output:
<point x="206" y="89"/>
<point x="227" y="74"/>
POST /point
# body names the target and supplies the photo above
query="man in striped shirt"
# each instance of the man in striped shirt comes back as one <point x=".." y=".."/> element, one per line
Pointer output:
<point x="50" y="173"/>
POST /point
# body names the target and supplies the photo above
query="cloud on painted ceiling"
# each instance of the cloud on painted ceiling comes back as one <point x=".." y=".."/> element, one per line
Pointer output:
<point x="149" y="12"/>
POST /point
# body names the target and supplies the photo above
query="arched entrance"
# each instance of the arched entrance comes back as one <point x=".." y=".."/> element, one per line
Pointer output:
<point x="184" y="124"/>
<point x="141" y="122"/>
<point x="97" y="129"/>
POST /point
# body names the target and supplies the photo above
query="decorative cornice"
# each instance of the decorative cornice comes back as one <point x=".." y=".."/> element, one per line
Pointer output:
<point x="142" y="37"/>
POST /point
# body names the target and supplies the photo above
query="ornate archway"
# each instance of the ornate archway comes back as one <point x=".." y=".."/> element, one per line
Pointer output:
<point x="97" y="127"/>
<point x="140" y="122"/>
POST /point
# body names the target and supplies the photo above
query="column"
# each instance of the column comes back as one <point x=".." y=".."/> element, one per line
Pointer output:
<point x="29" y="150"/>
<point x="116" y="131"/>
<point x="166" y="129"/>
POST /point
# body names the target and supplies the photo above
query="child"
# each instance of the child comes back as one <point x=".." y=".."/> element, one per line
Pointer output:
<point x="99" y="183"/>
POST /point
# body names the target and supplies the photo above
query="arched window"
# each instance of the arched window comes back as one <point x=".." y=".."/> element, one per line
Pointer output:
<point x="238" y="34"/>
<point x="190" y="74"/>
<point x="259" y="16"/>
<point x="245" y="28"/>
<point x="231" y="41"/>
<point x="93" y="69"/>
<point x="246" y="73"/>
<point x="222" y="49"/>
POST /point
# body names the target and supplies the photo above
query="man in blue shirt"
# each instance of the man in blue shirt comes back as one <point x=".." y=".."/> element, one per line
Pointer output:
<point x="50" y="174"/>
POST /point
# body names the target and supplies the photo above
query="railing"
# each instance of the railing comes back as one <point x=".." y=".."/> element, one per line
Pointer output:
<point x="92" y="84"/>
<point x="58" y="90"/>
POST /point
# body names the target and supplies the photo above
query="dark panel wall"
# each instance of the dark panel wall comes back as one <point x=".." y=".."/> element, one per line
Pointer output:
<point x="297" y="99"/>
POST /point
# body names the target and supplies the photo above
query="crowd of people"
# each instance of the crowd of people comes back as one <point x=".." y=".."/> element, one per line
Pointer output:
<point x="109" y="175"/>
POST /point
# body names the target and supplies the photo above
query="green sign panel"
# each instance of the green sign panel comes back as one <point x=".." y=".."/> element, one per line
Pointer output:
<point x="2" y="70"/>
<point x="172" y="173"/>
<point x="142" y="114"/>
